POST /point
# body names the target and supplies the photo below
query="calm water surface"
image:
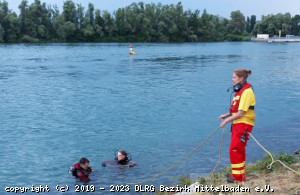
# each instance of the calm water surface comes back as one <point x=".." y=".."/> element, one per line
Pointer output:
<point x="60" y="102"/>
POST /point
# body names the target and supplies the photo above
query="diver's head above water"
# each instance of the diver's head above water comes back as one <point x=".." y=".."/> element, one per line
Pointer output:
<point x="122" y="157"/>
<point x="84" y="163"/>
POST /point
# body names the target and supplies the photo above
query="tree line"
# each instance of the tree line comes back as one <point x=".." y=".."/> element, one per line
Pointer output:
<point x="137" y="22"/>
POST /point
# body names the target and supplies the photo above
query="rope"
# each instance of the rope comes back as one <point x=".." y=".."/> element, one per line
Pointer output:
<point x="273" y="161"/>
<point x="220" y="152"/>
<point x="295" y="190"/>
<point x="174" y="165"/>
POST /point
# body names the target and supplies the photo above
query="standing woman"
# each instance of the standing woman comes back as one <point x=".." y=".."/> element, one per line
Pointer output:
<point x="242" y="116"/>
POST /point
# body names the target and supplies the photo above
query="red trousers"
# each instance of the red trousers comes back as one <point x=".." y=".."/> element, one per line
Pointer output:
<point x="237" y="151"/>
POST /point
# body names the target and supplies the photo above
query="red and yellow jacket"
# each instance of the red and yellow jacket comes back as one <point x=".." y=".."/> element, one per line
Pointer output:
<point x="244" y="100"/>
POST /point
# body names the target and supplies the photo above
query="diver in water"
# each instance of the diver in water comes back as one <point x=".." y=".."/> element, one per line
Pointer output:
<point x="82" y="170"/>
<point x="122" y="159"/>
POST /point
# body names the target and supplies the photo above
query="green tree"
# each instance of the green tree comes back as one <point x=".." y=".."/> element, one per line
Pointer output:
<point x="272" y="24"/>
<point x="12" y="30"/>
<point x="3" y="16"/>
<point x="88" y="32"/>
<point x="1" y="34"/>
<point x="23" y="17"/>
<point x="120" y="21"/>
<point x="149" y="22"/>
<point x="9" y="22"/>
<point x="4" y="11"/>
<point x="98" y="18"/>
<point x="135" y="22"/>
<point x="90" y="14"/>
<point x="58" y="22"/>
<point x="193" y="24"/>
<point x="48" y="14"/>
<point x="220" y="28"/>
<point x="207" y="27"/>
<point x="88" y="23"/>
<point x="64" y="30"/>
<point x="41" y="17"/>
<point x="165" y="24"/>
<point x="252" y="23"/>
<point x="80" y="16"/>
<point x="181" y="20"/>
<point x="108" y="25"/>
<point x="69" y="12"/>
<point x="54" y="11"/>
<point x="237" y="23"/>
<point x="99" y="22"/>
<point x="42" y="31"/>
<point x="295" y="22"/>
<point x="34" y="19"/>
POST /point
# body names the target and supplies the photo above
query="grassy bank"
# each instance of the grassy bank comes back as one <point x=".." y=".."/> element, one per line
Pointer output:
<point x="278" y="179"/>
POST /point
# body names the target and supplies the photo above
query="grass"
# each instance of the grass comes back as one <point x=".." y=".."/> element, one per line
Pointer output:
<point x="278" y="178"/>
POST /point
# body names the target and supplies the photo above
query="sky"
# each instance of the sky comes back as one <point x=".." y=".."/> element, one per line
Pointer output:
<point x="222" y="8"/>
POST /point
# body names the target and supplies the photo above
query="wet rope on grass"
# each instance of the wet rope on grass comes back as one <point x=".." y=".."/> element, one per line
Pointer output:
<point x="295" y="190"/>
<point x="273" y="161"/>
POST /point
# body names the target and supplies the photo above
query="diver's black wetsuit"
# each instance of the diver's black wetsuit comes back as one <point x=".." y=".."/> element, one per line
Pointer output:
<point x="81" y="173"/>
<point x="119" y="163"/>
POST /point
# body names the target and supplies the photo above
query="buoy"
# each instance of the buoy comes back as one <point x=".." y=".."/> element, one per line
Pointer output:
<point x="131" y="52"/>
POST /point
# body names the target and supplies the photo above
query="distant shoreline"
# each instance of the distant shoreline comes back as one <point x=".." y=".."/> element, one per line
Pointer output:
<point x="138" y="22"/>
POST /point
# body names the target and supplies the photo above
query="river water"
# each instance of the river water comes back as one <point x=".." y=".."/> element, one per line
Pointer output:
<point x="61" y="102"/>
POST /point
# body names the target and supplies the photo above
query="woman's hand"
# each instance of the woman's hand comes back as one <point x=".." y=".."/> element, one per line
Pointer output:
<point x="226" y="120"/>
<point x="223" y="124"/>
<point x="222" y="117"/>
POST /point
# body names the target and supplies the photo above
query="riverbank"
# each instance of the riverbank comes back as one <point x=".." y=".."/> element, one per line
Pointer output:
<point x="278" y="179"/>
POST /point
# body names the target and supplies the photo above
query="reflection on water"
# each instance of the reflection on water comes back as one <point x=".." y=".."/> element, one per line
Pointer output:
<point x="194" y="58"/>
<point x="61" y="102"/>
<point x="37" y="59"/>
